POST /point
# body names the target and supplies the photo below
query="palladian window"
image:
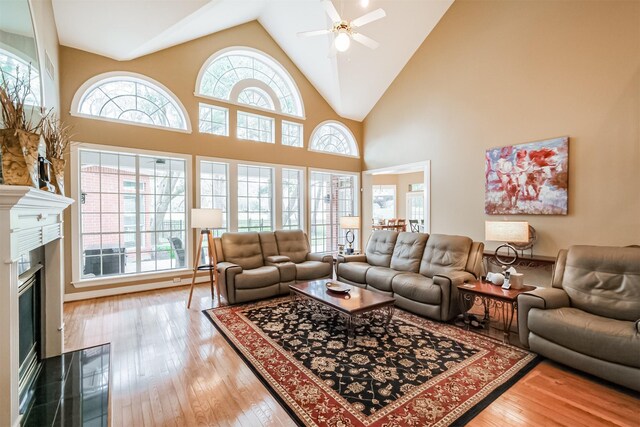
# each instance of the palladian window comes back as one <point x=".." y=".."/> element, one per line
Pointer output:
<point x="333" y="138"/>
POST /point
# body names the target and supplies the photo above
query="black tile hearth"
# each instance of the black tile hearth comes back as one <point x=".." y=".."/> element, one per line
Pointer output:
<point x="72" y="390"/>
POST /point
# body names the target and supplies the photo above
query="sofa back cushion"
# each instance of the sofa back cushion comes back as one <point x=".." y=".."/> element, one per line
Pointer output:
<point x="444" y="254"/>
<point x="293" y="244"/>
<point x="242" y="249"/>
<point x="604" y="281"/>
<point x="408" y="251"/>
<point x="268" y="244"/>
<point x="380" y="247"/>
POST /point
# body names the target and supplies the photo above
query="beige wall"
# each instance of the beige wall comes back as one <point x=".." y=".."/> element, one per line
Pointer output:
<point x="177" y="68"/>
<point x="495" y="73"/>
<point x="47" y="40"/>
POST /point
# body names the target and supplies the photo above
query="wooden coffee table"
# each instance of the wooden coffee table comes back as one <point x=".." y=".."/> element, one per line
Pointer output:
<point x="351" y="306"/>
<point x="491" y="295"/>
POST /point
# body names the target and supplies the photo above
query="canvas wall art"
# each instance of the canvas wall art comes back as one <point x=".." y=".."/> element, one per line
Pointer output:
<point x="529" y="178"/>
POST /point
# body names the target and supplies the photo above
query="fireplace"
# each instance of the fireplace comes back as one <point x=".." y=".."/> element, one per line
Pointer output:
<point x="31" y="291"/>
<point x="30" y="270"/>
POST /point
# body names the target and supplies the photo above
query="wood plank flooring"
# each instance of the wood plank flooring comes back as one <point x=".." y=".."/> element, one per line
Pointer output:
<point x="171" y="367"/>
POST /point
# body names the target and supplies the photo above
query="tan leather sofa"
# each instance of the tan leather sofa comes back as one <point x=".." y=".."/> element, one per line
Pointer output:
<point x="590" y="318"/>
<point x="421" y="271"/>
<point x="254" y="265"/>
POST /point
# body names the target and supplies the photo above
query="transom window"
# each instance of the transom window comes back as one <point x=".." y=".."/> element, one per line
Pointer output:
<point x="291" y="134"/>
<point x="214" y="120"/>
<point x="15" y="69"/>
<point x="255" y="128"/>
<point x="334" y="138"/>
<point x="132" y="213"/>
<point x="250" y="77"/>
<point x="132" y="99"/>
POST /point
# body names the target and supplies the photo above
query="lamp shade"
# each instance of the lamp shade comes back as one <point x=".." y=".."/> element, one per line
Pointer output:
<point x="206" y="218"/>
<point x="350" y="222"/>
<point x="506" y="231"/>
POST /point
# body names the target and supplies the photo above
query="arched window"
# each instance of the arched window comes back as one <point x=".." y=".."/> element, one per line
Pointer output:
<point x="16" y="69"/>
<point x="334" y="138"/>
<point x="130" y="98"/>
<point x="243" y="75"/>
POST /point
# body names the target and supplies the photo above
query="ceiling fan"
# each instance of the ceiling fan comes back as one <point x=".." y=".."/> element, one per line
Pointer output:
<point x="346" y="30"/>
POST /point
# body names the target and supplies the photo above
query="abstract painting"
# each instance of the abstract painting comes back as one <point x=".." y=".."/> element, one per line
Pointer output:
<point x="529" y="178"/>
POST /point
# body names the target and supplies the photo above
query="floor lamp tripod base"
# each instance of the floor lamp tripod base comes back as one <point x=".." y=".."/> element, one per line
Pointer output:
<point x="212" y="266"/>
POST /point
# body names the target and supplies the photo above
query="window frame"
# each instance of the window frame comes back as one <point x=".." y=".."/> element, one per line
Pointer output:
<point x="243" y="84"/>
<point x="259" y="117"/>
<point x="76" y="243"/>
<point x="355" y="146"/>
<point x="214" y="107"/>
<point x="95" y="81"/>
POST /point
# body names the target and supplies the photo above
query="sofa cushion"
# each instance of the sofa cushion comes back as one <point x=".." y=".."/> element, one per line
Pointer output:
<point x="380" y="247"/>
<point x="268" y="244"/>
<point x="417" y="287"/>
<point x="353" y="271"/>
<point x="607" y="339"/>
<point x="292" y="243"/>
<point x="408" y="251"/>
<point x="381" y="277"/>
<point x="243" y="249"/>
<point x="604" y="280"/>
<point x="445" y="253"/>
<point x="311" y="270"/>
<point x="258" y="277"/>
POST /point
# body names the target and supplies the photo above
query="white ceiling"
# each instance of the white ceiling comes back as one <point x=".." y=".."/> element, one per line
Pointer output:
<point x="351" y="82"/>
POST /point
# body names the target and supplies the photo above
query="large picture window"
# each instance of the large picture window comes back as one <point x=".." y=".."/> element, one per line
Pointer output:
<point x="291" y="195"/>
<point x="255" y="198"/>
<point x="214" y="184"/>
<point x="132" y="213"/>
<point x="333" y="196"/>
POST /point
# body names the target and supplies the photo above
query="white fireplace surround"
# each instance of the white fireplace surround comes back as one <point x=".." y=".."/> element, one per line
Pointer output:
<point x="29" y="218"/>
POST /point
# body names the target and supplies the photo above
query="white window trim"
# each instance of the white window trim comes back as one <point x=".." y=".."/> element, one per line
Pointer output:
<point x="356" y="201"/>
<point x="82" y="90"/>
<point x="259" y="55"/>
<point x="253" y="83"/>
<point x="215" y="107"/>
<point x="282" y="122"/>
<point x="355" y="141"/>
<point x="76" y="262"/>
<point x="260" y="116"/>
<point x="232" y="190"/>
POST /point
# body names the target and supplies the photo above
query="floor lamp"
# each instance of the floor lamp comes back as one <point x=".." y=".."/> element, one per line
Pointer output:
<point x="206" y="220"/>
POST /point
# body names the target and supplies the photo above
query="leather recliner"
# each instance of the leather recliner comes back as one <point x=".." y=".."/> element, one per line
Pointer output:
<point x="421" y="271"/>
<point x="590" y="318"/>
<point x="254" y="266"/>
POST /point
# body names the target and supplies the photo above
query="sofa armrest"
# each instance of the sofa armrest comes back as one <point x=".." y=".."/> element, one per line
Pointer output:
<point x="322" y="257"/>
<point x="277" y="259"/>
<point x="227" y="273"/>
<point x="542" y="298"/>
<point x="352" y="258"/>
<point x="449" y="305"/>
<point x="638" y="326"/>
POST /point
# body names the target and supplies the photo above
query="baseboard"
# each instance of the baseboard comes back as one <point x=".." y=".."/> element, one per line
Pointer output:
<point x="78" y="296"/>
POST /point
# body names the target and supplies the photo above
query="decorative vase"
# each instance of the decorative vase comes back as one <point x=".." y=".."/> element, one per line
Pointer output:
<point x="19" y="157"/>
<point x="57" y="179"/>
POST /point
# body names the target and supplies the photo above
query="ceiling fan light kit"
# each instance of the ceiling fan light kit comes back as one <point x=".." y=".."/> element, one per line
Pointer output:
<point x="345" y="30"/>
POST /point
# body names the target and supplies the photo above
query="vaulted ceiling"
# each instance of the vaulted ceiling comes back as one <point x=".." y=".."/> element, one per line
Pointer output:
<point x="351" y="82"/>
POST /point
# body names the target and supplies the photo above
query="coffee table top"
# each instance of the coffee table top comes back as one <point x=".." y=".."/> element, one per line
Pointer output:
<point x="493" y="291"/>
<point x="356" y="301"/>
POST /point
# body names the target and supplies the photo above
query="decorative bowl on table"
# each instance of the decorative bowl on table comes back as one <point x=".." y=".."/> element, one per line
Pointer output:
<point x="338" y="287"/>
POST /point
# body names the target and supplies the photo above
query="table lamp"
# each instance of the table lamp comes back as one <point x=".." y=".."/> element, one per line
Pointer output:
<point x="206" y="220"/>
<point x="350" y="223"/>
<point x="506" y="231"/>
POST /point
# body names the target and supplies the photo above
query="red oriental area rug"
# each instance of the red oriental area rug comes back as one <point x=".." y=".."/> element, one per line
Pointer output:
<point x="415" y="372"/>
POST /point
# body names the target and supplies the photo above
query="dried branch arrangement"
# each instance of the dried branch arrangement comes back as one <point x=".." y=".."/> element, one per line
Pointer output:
<point x="56" y="137"/>
<point x="13" y="96"/>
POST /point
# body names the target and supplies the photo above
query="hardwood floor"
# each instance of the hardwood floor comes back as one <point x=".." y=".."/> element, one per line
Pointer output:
<point x="171" y="367"/>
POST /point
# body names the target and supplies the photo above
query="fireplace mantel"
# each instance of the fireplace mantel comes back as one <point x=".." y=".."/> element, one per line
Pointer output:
<point x="29" y="218"/>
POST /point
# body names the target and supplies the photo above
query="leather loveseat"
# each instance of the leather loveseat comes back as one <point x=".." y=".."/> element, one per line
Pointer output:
<point x="254" y="265"/>
<point x="421" y="271"/>
<point x="590" y="318"/>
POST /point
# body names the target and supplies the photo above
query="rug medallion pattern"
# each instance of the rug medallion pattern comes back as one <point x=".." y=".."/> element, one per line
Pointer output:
<point x="415" y="372"/>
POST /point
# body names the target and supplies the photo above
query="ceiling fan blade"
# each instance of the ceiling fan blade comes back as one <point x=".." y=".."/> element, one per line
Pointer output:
<point x="313" y="33"/>
<point x="367" y="41"/>
<point x="331" y="11"/>
<point x="367" y="18"/>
